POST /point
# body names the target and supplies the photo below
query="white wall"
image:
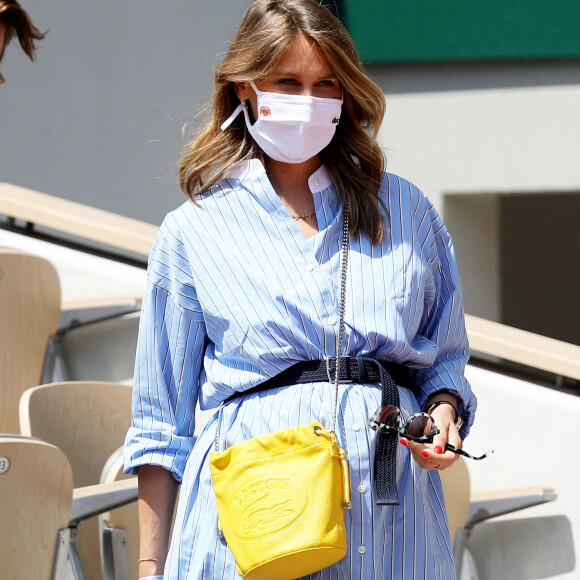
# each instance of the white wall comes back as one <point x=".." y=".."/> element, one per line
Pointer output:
<point x="474" y="222"/>
<point x="486" y="140"/>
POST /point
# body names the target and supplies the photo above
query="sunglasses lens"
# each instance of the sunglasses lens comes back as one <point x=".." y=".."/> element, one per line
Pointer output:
<point x="387" y="415"/>
<point x="420" y="425"/>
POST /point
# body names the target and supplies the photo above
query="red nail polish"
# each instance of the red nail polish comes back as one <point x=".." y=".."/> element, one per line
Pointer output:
<point x="438" y="449"/>
<point x="425" y="453"/>
<point x="403" y="442"/>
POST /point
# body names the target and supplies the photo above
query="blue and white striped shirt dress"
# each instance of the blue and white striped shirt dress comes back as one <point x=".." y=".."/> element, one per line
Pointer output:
<point x="236" y="294"/>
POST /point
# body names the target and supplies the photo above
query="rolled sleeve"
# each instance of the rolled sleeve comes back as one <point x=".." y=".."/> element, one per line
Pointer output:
<point x="168" y="363"/>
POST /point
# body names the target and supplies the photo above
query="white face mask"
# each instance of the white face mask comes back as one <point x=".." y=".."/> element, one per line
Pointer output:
<point x="291" y="128"/>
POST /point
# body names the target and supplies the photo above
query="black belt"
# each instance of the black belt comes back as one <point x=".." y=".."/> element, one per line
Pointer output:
<point x="356" y="370"/>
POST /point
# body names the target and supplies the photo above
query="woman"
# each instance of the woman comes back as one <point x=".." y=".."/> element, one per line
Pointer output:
<point x="244" y="283"/>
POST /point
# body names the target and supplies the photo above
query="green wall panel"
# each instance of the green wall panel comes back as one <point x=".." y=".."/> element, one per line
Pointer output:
<point x="446" y="30"/>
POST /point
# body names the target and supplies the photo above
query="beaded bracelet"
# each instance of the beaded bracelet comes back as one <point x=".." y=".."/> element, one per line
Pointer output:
<point x="458" y="419"/>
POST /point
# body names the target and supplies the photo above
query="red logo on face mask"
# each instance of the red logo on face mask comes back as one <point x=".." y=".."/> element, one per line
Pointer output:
<point x="265" y="112"/>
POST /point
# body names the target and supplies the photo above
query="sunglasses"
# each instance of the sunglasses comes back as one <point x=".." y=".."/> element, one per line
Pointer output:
<point x="419" y="427"/>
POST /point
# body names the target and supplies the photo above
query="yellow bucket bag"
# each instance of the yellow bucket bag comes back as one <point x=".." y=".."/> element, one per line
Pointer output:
<point x="281" y="499"/>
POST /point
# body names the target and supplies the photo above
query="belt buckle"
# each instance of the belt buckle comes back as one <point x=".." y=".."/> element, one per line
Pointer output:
<point x="328" y="371"/>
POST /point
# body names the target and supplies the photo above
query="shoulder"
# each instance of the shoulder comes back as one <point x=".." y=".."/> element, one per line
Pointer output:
<point x="402" y="197"/>
<point x="398" y="188"/>
<point x="243" y="177"/>
<point x="189" y="227"/>
<point x="192" y="215"/>
<point x="410" y="210"/>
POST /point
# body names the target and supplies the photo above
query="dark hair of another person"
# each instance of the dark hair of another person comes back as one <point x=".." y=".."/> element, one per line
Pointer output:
<point x="17" y="23"/>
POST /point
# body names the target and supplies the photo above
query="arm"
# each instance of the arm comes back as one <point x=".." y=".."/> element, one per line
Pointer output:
<point x="157" y="493"/>
<point x="169" y="359"/>
<point x="444" y="326"/>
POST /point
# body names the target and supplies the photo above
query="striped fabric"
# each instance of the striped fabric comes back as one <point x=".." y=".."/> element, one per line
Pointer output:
<point x="236" y="294"/>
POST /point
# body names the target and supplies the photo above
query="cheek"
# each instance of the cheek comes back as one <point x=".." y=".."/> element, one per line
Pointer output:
<point x="335" y="92"/>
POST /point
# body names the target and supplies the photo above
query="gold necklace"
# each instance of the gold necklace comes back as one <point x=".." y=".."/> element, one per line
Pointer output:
<point x="303" y="217"/>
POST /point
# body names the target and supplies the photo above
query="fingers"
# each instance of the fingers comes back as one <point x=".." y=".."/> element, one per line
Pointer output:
<point x="434" y="456"/>
<point x="427" y="457"/>
<point x="436" y="451"/>
<point x="448" y="433"/>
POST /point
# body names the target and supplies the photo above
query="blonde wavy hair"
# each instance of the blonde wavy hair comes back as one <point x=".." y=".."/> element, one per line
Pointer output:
<point x="353" y="158"/>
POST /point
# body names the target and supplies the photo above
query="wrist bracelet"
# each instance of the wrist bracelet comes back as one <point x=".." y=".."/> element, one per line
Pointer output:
<point x="458" y="419"/>
<point x="147" y="560"/>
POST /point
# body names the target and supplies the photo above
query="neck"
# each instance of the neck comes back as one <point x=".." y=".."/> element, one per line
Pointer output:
<point x="290" y="180"/>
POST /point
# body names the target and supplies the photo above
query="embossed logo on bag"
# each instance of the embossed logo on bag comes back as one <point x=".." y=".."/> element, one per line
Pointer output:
<point x="268" y="504"/>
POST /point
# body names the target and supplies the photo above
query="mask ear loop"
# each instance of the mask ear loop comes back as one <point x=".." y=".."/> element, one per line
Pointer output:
<point x="256" y="89"/>
<point x="241" y="107"/>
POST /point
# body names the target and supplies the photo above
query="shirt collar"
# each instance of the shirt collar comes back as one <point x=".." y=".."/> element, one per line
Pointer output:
<point x="319" y="180"/>
<point x="252" y="168"/>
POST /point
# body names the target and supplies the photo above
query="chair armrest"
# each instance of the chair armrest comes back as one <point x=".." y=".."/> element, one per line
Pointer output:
<point x="490" y="504"/>
<point x="95" y="499"/>
<point x="81" y="312"/>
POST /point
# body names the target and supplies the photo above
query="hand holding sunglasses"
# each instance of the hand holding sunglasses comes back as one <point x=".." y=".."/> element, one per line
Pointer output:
<point x="419" y="427"/>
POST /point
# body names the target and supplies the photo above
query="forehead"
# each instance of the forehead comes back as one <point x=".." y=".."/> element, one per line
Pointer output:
<point x="302" y="56"/>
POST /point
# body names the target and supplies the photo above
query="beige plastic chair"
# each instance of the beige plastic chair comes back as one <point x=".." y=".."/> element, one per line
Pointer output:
<point x="88" y="421"/>
<point x="36" y="493"/>
<point x="457" y="491"/>
<point x="465" y="508"/>
<point x="90" y="332"/>
<point x="119" y="529"/>
<point x="29" y="311"/>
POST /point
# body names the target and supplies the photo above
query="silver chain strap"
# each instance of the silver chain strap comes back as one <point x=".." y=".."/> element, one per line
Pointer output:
<point x="341" y="307"/>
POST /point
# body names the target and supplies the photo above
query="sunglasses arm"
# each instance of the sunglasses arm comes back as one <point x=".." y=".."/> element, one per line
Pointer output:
<point x="459" y="451"/>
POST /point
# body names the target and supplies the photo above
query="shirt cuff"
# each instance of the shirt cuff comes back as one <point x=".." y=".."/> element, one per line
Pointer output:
<point x="151" y="578"/>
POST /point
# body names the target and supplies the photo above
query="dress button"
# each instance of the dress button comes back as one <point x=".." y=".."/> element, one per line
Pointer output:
<point x="361" y="488"/>
<point x="316" y="181"/>
<point x="332" y="320"/>
<point x="309" y="267"/>
<point x="362" y="549"/>
<point x="356" y="427"/>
